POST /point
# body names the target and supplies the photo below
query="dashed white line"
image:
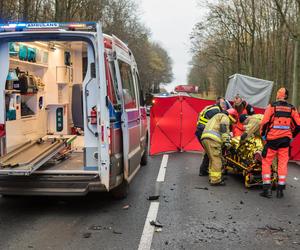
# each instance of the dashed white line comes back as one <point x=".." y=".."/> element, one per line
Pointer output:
<point x="148" y="231"/>
<point x="147" y="236"/>
<point x="163" y="168"/>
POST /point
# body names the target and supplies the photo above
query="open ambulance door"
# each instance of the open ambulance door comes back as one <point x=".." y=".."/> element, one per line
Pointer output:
<point x="102" y="113"/>
<point x="130" y="114"/>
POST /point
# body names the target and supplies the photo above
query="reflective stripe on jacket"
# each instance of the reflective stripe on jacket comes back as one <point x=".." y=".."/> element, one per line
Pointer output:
<point x="207" y="113"/>
<point x="212" y="128"/>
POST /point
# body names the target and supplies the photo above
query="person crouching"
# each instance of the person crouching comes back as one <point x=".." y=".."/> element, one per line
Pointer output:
<point x="215" y="134"/>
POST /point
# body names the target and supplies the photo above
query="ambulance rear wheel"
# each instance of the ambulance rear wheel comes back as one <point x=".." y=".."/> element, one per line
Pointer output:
<point x="121" y="191"/>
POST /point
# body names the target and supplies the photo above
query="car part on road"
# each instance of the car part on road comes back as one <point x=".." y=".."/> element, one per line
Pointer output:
<point x="156" y="224"/>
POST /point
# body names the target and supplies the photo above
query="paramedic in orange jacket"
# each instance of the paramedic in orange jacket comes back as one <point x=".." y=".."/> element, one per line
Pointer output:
<point x="280" y="124"/>
<point x="243" y="108"/>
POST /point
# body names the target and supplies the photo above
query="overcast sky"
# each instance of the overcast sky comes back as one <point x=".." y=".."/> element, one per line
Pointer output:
<point x="171" y="22"/>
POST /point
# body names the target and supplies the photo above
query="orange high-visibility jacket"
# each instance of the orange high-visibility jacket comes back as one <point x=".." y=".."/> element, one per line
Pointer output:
<point x="247" y="109"/>
<point x="281" y="119"/>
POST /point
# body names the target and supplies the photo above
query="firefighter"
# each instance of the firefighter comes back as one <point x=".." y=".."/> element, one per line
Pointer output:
<point x="206" y="114"/>
<point x="215" y="134"/>
<point x="280" y="124"/>
<point x="242" y="107"/>
<point x="251" y="125"/>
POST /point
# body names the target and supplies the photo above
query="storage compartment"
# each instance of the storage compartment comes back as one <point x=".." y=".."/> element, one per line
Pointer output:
<point x="39" y="103"/>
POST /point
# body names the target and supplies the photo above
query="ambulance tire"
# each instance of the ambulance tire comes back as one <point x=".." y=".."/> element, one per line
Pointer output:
<point x="121" y="191"/>
<point x="144" y="159"/>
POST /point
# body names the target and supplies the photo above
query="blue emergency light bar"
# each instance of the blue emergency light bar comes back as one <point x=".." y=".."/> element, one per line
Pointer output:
<point x="76" y="26"/>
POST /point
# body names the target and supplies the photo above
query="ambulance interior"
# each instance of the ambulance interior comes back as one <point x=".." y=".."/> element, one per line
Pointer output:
<point x="44" y="106"/>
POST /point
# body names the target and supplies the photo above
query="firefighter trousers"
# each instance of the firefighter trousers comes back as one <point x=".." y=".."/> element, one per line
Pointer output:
<point x="283" y="158"/>
<point x="214" y="152"/>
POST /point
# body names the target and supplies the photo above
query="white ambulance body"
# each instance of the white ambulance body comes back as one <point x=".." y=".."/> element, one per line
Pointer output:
<point x="72" y="114"/>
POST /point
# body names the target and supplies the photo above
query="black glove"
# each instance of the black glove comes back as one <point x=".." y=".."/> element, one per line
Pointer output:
<point x="244" y="136"/>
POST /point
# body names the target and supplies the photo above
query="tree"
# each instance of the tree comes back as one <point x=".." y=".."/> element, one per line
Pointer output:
<point x="248" y="37"/>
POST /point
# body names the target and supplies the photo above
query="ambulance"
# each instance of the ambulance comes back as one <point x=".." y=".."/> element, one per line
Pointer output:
<point x="72" y="114"/>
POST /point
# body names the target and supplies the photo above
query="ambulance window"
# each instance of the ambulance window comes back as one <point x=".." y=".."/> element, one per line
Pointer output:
<point x="114" y="80"/>
<point x="127" y="85"/>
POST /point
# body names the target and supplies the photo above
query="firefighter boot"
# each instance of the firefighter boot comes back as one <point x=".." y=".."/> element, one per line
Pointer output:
<point x="267" y="192"/>
<point x="204" y="166"/>
<point x="280" y="189"/>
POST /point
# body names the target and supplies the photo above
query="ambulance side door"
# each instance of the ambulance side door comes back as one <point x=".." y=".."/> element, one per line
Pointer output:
<point x="130" y="118"/>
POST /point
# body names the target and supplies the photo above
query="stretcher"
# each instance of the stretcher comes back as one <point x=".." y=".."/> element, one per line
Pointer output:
<point x="244" y="158"/>
<point x="28" y="157"/>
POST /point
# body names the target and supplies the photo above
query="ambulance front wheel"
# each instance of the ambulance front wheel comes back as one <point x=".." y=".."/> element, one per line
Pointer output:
<point x="121" y="191"/>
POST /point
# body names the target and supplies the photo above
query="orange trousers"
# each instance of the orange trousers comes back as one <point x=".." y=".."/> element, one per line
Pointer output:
<point x="283" y="158"/>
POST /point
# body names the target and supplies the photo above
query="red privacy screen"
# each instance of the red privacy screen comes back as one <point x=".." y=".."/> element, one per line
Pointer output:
<point x="173" y="124"/>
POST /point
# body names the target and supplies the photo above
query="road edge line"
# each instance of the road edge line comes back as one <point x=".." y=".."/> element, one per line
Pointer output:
<point x="148" y="232"/>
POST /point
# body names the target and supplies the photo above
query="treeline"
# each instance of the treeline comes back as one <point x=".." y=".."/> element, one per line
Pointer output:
<point x="260" y="38"/>
<point x="118" y="17"/>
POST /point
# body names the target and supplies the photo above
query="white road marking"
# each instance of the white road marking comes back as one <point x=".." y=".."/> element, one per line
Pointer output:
<point x="147" y="236"/>
<point x="148" y="231"/>
<point x="163" y="168"/>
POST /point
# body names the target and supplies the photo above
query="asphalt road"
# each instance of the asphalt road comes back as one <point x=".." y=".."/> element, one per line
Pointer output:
<point x="194" y="215"/>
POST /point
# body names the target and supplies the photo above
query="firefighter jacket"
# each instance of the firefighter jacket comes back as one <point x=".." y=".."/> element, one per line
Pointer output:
<point x="253" y="126"/>
<point x="207" y="113"/>
<point x="281" y="120"/>
<point x="217" y="129"/>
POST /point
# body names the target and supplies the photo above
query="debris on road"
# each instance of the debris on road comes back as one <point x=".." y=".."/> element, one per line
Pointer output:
<point x="241" y="202"/>
<point x="126" y="207"/>
<point x="203" y="188"/>
<point x="117" y="232"/>
<point x="158" y="230"/>
<point x="156" y="224"/>
<point x="296" y="178"/>
<point x="98" y="228"/>
<point x="153" y="197"/>
<point x="271" y="229"/>
<point x="87" y="235"/>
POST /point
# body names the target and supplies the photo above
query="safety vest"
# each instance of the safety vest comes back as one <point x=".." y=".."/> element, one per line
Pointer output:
<point x="208" y="113"/>
<point x="279" y="123"/>
<point x="282" y="116"/>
